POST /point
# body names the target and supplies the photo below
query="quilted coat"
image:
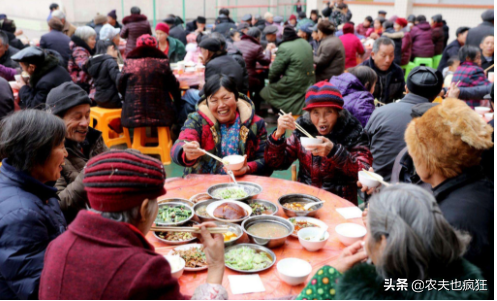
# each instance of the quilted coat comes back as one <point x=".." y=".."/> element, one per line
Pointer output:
<point x="150" y="89"/>
<point x="202" y="127"/>
<point x="438" y="37"/>
<point x="338" y="172"/>
<point x="406" y="48"/>
<point x="134" y="27"/>
<point x="422" y="41"/>
<point x="253" y="53"/>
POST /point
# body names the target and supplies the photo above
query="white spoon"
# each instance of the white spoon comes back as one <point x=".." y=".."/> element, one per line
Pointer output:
<point x="308" y="206"/>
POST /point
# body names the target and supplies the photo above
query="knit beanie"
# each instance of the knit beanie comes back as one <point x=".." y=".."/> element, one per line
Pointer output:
<point x="425" y="82"/>
<point x="112" y="14"/>
<point x="122" y="179"/>
<point x="66" y="96"/>
<point x="292" y="17"/>
<point x="147" y="41"/>
<point x="323" y="94"/>
<point x="162" y="27"/>
<point x="401" y="21"/>
<point x="348" y="28"/>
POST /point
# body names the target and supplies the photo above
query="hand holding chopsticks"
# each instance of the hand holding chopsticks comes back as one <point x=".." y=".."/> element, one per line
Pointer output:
<point x="193" y="152"/>
<point x="300" y="128"/>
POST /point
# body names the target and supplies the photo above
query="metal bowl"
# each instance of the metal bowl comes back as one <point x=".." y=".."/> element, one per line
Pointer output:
<point x="169" y="242"/>
<point x="204" y="218"/>
<point x="270" y="205"/>
<point x="257" y="248"/>
<point x="251" y="189"/>
<point x="171" y="204"/>
<point x="267" y="242"/>
<point x="177" y="200"/>
<point x="203" y="195"/>
<point x="233" y="228"/>
<point x="300" y="198"/>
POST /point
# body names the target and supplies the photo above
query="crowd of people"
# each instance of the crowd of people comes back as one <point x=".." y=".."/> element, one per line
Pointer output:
<point x="67" y="202"/>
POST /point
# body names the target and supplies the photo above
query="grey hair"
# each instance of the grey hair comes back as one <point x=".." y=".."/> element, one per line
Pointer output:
<point x="419" y="238"/>
<point x="85" y="33"/>
<point x="59" y="14"/>
<point x="382" y="41"/>
<point x="254" y="32"/>
<point x="131" y="216"/>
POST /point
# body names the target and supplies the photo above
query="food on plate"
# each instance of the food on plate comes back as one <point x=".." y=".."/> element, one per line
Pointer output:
<point x="260" y="209"/>
<point x="230" y="211"/>
<point x="202" y="211"/>
<point x="194" y="257"/>
<point x="247" y="259"/>
<point x="268" y="230"/>
<point x="298" y="225"/>
<point x="229" y="236"/>
<point x="172" y="214"/>
<point x="231" y="193"/>
<point x="175" y="236"/>
<point x="200" y="198"/>
<point x="295" y="206"/>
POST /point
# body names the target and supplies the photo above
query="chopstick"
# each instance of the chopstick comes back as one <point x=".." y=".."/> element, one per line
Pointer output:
<point x="457" y="85"/>
<point x="214" y="230"/>
<point x="372" y="175"/>
<point x="489" y="68"/>
<point x="298" y="126"/>
<point x="209" y="154"/>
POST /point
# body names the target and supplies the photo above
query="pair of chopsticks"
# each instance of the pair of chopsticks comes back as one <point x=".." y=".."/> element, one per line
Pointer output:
<point x="372" y="175"/>
<point x="298" y="126"/>
<point x="213" y="230"/>
<point x="209" y="154"/>
<point x="489" y="68"/>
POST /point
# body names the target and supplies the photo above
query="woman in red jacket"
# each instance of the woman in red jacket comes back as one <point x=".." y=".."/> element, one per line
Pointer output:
<point x="352" y="45"/>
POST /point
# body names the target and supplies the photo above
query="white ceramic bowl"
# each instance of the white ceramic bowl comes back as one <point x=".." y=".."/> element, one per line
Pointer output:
<point x="293" y="271"/>
<point x="212" y="207"/>
<point x="235" y="162"/>
<point x="312" y="245"/>
<point x="305" y="141"/>
<point x="349" y="233"/>
<point x="368" y="181"/>
<point x="482" y="110"/>
<point x="177" y="265"/>
<point x="489" y="116"/>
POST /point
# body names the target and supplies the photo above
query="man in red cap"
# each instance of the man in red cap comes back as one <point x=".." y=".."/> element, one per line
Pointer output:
<point x="104" y="253"/>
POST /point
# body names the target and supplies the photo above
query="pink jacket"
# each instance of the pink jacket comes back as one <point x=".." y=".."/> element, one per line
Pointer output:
<point x="192" y="53"/>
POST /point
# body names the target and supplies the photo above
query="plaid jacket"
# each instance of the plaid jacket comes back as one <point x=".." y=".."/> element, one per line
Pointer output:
<point x="470" y="75"/>
<point x="76" y="66"/>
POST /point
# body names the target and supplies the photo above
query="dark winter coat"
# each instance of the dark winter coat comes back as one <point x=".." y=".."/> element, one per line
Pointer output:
<point x="237" y="55"/>
<point x="98" y="258"/>
<point x="179" y="33"/>
<point x="390" y="85"/>
<point x="225" y="64"/>
<point x="476" y="34"/>
<point x="80" y="54"/>
<point x="446" y="33"/>
<point x="438" y="36"/>
<point x="30" y="218"/>
<point x="224" y="26"/>
<point x="357" y="99"/>
<point x="404" y="171"/>
<point x="467" y="203"/>
<point x="6" y="58"/>
<point x="406" y="49"/>
<point x="329" y="59"/>
<point x="327" y="11"/>
<point x="396" y="37"/>
<point x="422" y="41"/>
<point x="202" y="127"/>
<point x="386" y="128"/>
<point x="134" y="27"/>
<point x="46" y="77"/>
<point x="253" y="53"/>
<point x="105" y="73"/>
<point x="451" y="50"/>
<point x="338" y="172"/>
<point x="70" y="186"/>
<point x="57" y="41"/>
<point x="147" y="85"/>
<point x="6" y="98"/>
<point x="191" y="27"/>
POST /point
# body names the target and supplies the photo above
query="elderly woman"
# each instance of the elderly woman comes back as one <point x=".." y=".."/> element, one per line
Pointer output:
<point x="122" y="188"/>
<point x="82" y="47"/>
<point x="172" y="47"/>
<point x="333" y="164"/>
<point x="330" y="57"/>
<point x="30" y="216"/>
<point x="446" y="145"/>
<point x="225" y="124"/>
<point x="108" y="32"/>
<point x="408" y="238"/>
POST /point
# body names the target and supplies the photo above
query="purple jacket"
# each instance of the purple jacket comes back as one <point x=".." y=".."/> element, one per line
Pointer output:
<point x="357" y="99"/>
<point x="422" y="42"/>
<point x="7" y="73"/>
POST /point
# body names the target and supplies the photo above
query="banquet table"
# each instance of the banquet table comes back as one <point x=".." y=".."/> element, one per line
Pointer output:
<point x="189" y="79"/>
<point x="272" y="189"/>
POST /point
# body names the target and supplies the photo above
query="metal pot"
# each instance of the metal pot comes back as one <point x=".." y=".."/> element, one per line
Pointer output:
<point x="299" y="198"/>
<point x="267" y="242"/>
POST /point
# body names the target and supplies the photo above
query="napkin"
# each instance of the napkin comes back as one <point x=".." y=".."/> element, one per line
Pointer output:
<point x="243" y="284"/>
<point x="350" y="212"/>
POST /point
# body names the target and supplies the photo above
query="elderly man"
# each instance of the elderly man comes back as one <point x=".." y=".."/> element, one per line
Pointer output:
<point x="476" y="34"/>
<point x="6" y="52"/>
<point x="390" y="84"/>
<point x="71" y="103"/>
<point x="68" y="28"/>
<point x="197" y="25"/>
<point x="56" y="40"/>
<point x="388" y="123"/>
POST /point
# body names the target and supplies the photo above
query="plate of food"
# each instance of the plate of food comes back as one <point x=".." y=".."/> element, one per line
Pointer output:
<point x="232" y="191"/>
<point x="262" y="207"/>
<point x="200" y="197"/>
<point x="173" y="214"/>
<point x="176" y="238"/>
<point x="176" y="200"/>
<point x="201" y="210"/>
<point x="249" y="258"/>
<point x="301" y="222"/>
<point x="193" y="255"/>
<point x="234" y="233"/>
<point x="293" y="204"/>
<point x="229" y="211"/>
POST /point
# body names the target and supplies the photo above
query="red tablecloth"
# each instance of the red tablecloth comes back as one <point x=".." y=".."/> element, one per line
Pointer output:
<point x="189" y="79"/>
<point x="272" y="189"/>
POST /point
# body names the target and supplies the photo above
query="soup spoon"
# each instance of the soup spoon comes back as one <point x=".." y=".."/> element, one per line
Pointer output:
<point x="308" y="206"/>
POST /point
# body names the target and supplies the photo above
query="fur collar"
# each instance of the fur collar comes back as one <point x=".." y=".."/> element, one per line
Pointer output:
<point x="244" y="105"/>
<point x="146" y="52"/>
<point x="49" y="63"/>
<point x="134" y="18"/>
<point x="79" y="42"/>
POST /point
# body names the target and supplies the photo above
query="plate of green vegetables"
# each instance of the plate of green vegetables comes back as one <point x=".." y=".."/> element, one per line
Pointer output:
<point x="249" y="258"/>
<point x="172" y="214"/>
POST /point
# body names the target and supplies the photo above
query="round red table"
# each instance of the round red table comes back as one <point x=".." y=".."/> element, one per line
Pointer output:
<point x="272" y="189"/>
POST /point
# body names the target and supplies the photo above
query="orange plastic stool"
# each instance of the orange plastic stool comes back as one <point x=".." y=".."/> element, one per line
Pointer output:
<point x="103" y="118"/>
<point x="163" y="148"/>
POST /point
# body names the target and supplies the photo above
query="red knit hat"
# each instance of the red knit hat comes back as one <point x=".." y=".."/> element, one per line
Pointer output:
<point x="401" y="21"/>
<point x="146" y="40"/>
<point x="348" y="28"/>
<point x="120" y="180"/>
<point x="323" y="94"/>
<point x="162" y="27"/>
<point x="292" y="17"/>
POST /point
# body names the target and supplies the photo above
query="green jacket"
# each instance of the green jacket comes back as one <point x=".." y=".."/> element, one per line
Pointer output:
<point x="176" y="51"/>
<point x="290" y="75"/>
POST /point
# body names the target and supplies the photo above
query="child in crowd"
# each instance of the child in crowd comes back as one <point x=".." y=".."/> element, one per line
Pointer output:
<point x="448" y="71"/>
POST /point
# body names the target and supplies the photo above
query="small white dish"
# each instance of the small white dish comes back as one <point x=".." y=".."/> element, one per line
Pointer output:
<point x="482" y="110"/>
<point x="318" y="223"/>
<point x="293" y="271"/>
<point x="489" y="116"/>
<point x="349" y="233"/>
<point x="187" y="247"/>
<point x="369" y="181"/>
<point x="212" y="207"/>
<point x="235" y="162"/>
<point x="314" y="234"/>
<point x="177" y="265"/>
<point x="306" y="141"/>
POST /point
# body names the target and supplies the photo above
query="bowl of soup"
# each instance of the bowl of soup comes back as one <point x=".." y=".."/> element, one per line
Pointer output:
<point x="267" y="230"/>
<point x="349" y="233"/>
<point x="293" y="204"/>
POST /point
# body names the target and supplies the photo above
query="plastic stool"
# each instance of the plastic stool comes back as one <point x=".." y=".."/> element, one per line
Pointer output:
<point x="407" y="69"/>
<point x="163" y="149"/>
<point x="427" y="61"/>
<point x="436" y="60"/>
<point x="103" y="117"/>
